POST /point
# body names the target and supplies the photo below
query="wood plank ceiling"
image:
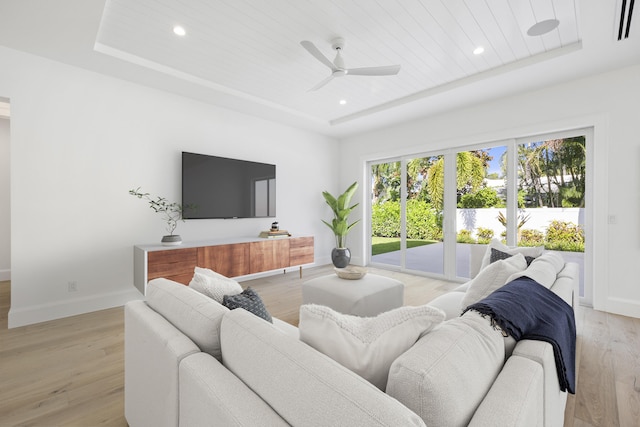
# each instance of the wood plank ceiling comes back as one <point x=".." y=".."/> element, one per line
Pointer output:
<point x="251" y="48"/>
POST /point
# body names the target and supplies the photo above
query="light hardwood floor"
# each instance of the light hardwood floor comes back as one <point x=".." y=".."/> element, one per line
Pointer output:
<point x="69" y="372"/>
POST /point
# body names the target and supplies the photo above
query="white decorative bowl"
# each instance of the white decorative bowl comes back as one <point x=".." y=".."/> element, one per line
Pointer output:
<point x="351" y="272"/>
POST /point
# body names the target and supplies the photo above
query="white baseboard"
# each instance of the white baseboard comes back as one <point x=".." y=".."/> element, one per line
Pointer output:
<point x="56" y="310"/>
<point x="5" y="275"/>
<point x="624" y="307"/>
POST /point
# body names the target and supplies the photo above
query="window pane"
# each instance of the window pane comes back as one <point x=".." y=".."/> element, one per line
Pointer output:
<point x="551" y="194"/>
<point x="385" y="213"/>
<point x="425" y="196"/>
<point x="481" y="202"/>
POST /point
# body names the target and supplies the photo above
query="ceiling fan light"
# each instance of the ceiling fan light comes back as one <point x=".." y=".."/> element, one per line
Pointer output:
<point x="179" y="31"/>
<point x="543" y="27"/>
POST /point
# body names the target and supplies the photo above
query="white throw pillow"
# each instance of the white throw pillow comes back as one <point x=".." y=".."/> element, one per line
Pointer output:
<point x="213" y="285"/>
<point x="533" y="252"/>
<point x="366" y="345"/>
<point x="491" y="278"/>
<point x="543" y="269"/>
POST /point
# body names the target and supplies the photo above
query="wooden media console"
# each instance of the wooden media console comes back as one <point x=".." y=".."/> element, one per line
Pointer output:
<point x="229" y="257"/>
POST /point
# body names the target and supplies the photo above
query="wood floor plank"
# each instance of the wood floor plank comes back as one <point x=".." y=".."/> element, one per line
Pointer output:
<point x="596" y="401"/>
<point x="70" y="372"/>
<point x="570" y="409"/>
<point x="625" y="346"/>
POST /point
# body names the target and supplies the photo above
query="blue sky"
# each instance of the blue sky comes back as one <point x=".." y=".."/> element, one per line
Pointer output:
<point x="494" y="165"/>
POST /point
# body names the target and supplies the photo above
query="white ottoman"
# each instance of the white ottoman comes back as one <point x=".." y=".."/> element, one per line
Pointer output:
<point x="366" y="297"/>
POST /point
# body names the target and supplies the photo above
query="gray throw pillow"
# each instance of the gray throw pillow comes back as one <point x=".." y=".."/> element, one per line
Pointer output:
<point x="497" y="255"/>
<point x="250" y="301"/>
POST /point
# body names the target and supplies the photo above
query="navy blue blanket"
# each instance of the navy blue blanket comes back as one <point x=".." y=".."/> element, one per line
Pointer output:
<point x="525" y="309"/>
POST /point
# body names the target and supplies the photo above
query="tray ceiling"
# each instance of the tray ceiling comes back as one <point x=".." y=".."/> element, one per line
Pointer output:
<point x="246" y="54"/>
<point x="253" y="47"/>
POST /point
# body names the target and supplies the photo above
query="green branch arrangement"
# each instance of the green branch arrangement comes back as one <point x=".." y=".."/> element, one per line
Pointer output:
<point x="172" y="212"/>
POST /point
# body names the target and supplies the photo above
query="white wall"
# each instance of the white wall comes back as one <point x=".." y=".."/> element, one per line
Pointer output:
<point x="5" y="202"/>
<point x="608" y="102"/>
<point x="81" y="140"/>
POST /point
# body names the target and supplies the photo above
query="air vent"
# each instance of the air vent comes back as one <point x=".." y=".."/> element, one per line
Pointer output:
<point x="626" y="12"/>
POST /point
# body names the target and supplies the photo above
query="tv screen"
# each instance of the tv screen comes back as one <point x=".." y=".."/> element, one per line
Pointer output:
<point x="220" y="187"/>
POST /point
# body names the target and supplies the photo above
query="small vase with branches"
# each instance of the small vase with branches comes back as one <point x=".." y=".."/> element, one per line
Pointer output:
<point x="171" y="214"/>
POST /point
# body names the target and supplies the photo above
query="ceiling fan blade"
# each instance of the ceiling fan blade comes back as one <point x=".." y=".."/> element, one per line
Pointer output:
<point x="313" y="50"/>
<point x="386" y="70"/>
<point x="322" y="83"/>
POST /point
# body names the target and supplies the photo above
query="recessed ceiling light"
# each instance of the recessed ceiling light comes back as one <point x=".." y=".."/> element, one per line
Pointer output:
<point x="343" y="102"/>
<point x="178" y="30"/>
<point x="478" y="50"/>
<point x="543" y="27"/>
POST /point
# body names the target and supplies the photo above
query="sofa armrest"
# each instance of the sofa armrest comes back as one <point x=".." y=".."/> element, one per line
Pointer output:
<point x="554" y="400"/>
<point x="567" y="284"/>
<point x="210" y="394"/>
<point x="152" y="345"/>
<point x="515" y="398"/>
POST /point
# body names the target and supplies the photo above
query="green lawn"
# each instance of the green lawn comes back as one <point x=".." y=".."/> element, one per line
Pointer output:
<point x="382" y="245"/>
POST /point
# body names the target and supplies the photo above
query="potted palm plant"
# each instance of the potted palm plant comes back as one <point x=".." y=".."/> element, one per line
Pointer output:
<point x="340" y="255"/>
<point x="172" y="213"/>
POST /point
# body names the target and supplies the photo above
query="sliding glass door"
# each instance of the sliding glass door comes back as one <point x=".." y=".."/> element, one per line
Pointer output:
<point x="433" y="213"/>
<point x="385" y="218"/>
<point x="481" y="204"/>
<point x="552" y="184"/>
<point x="407" y="210"/>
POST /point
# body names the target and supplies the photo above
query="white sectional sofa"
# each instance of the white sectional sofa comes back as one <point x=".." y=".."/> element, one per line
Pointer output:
<point x="189" y="361"/>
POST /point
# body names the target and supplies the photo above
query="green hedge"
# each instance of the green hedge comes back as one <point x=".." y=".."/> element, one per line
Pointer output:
<point x="565" y="236"/>
<point x="422" y="220"/>
<point x="560" y="236"/>
<point x="484" y="235"/>
<point x="464" y="236"/>
<point x="423" y="223"/>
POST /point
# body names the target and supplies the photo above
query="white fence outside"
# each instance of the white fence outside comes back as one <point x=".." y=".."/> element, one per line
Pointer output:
<point x="539" y="218"/>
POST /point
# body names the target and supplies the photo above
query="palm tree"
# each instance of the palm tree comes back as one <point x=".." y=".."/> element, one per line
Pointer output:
<point x="470" y="176"/>
<point x="386" y="182"/>
<point x="553" y="160"/>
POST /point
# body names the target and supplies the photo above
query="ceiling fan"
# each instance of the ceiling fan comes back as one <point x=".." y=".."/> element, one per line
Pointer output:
<point x="338" y="68"/>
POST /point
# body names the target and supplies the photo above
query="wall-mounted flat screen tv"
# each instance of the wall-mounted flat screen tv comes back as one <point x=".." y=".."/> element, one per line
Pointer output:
<point x="220" y="187"/>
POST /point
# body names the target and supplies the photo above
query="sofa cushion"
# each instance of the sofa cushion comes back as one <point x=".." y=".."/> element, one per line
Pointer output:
<point x="366" y="345"/>
<point x="492" y="277"/>
<point x="543" y="269"/>
<point x="250" y="301"/>
<point x="194" y="314"/>
<point x="302" y="385"/>
<point x="445" y="376"/>
<point x="213" y="285"/>
<point x="211" y="395"/>
<point x="450" y="303"/>
<point x="533" y="252"/>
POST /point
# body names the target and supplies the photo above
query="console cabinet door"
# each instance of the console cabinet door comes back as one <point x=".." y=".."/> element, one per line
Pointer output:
<point x="269" y="255"/>
<point x="229" y="260"/>
<point x="301" y="250"/>
<point x="175" y="264"/>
